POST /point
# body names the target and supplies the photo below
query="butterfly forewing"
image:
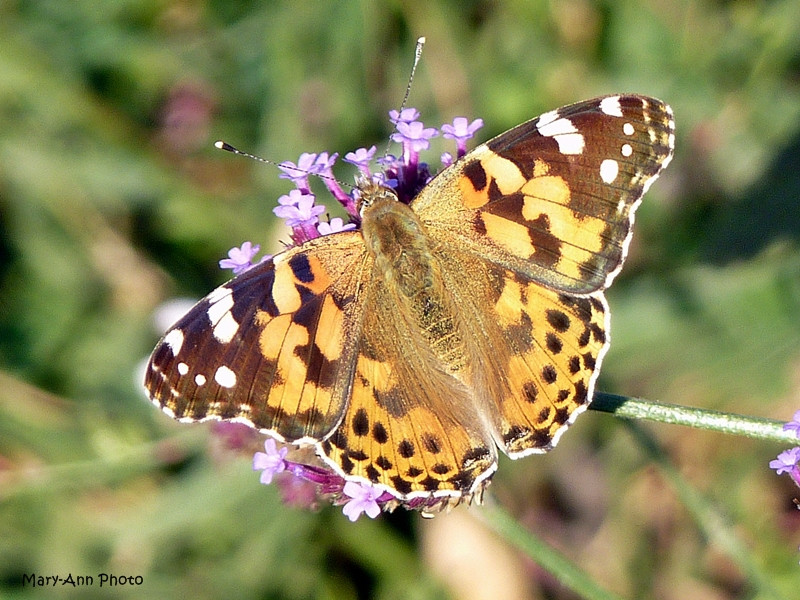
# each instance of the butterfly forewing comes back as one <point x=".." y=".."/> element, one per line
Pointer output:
<point x="272" y="348"/>
<point x="554" y="198"/>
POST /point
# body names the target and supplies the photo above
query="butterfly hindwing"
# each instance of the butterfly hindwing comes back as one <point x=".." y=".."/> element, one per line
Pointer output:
<point x="272" y="348"/>
<point x="535" y="352"/>
<point x="553" y="380"/>
<point x="554" y="198"/>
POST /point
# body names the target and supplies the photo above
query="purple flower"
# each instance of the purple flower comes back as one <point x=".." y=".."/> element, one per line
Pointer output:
<point x="407" y="115"/>
<point x="361" y="158"/>
<point x="461" y="131"/>
<point x="324" y="162"/>
<point x="411" y="175"/>
<point x="364" y="499"/>
<point x="240" y="259"/>
<point x="298" y="173"/>
<point x="787" y="462"/>
<point x="299" y="209"/>
<point x="293" y="198"/>
<point x="414" y="136"/>
<point x="335" y="225"/>
<point x="794" y="424"/>
<point x="324" y="166"/>
<point x="272" y="462"/>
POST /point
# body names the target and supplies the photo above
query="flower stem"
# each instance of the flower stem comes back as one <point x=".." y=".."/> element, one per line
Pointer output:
<point x="699" y="418"/>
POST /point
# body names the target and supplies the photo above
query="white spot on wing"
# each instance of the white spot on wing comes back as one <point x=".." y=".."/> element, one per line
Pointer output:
<point x="546" y="118"/>
<point x="572" y="143"/>
<point x="219" y="314"/>
<point x="626" y="150"/>
<point x="183" y="368"/>
<point x="226" y="328"/>
<point x="569" y="140"/>
<point x="200" y="380"/>
<point x="609" y="169"/>
<point x="174" y="339"/>
<point x="611" y="106"/>
<point x="628" y="129"/>
<point x="225" y="377"/>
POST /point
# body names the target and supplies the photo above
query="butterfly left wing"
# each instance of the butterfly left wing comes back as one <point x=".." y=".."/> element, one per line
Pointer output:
<point x="272" y="348"/>
<point x="554" y="198"/>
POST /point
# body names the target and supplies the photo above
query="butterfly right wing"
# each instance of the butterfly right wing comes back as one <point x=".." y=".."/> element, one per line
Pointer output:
<point x="273" y="347"/>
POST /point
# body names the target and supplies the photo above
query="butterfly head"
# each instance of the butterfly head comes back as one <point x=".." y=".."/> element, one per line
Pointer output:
<point x="371" y="193"/>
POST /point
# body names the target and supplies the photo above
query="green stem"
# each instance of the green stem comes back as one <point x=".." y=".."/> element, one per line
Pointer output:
<point x="699" y="418"/>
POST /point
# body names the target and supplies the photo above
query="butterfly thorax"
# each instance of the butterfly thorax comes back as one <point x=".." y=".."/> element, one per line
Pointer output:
<point x="406" y="263"/>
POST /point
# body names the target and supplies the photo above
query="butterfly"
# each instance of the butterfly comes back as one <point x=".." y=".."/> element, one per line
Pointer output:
<point x="469" y="321"/>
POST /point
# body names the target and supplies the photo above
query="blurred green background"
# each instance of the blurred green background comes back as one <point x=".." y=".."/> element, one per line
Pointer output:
<point x="113" y="200"/>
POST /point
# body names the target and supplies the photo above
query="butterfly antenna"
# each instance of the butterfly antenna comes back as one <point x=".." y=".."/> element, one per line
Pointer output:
<point x="417" y="56"/>
<point x="234" y="150"/>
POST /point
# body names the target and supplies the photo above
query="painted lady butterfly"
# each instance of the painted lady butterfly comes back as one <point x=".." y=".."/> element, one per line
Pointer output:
<point x="470" y="319"/>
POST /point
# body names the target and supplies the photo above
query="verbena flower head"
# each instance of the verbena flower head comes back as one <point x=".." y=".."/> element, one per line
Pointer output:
<point x="240" y="259"/>
<point x="270" y="462"/>
<point x="304" y="479"/>
<point x="461" y="130"/>
<point x="788" y="461"/>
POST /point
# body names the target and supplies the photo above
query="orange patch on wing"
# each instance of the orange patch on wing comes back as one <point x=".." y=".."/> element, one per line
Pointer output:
<point x="550" y="189"/>
<point x="321" y="280"/>
<point x="512" y="236"/>
<point x="506" y="174"/>
<point x="331" y="322"/>
<point x="470" y="197"/>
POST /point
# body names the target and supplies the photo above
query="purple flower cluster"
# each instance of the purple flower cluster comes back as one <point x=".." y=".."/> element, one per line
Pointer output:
<point x="405" y="174"/>
<point x="788" y="461"/>
<point x="302" y="484"/>
<point x="357" y="497"/>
